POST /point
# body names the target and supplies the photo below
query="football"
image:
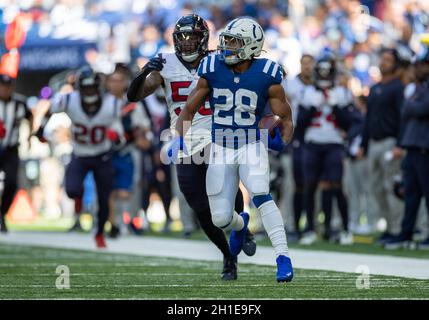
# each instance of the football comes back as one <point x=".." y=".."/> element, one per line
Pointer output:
<point x="270" y="122"/>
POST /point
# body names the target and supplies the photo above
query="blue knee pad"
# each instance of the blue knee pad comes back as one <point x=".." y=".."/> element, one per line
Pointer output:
<point x="261" y="199"/>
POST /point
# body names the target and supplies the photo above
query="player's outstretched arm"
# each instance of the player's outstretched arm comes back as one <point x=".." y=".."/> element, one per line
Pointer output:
<point x="280" y="107"/>
<point x="147" y="81"/>
<point x="57" y="104"/>
<point x="144" y="85"/>
<point x="195" y="99"/>
<point x="45" y="105"/>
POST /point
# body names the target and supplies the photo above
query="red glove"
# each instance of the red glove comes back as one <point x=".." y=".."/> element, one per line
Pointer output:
<point x="112" y="135"/>
<point x="2" y="130"/>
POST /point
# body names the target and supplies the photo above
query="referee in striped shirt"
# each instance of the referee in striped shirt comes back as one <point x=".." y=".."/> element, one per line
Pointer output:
<point x="13" y="110"/>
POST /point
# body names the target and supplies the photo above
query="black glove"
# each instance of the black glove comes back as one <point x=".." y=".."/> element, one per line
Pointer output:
<point x="154" y="64"/>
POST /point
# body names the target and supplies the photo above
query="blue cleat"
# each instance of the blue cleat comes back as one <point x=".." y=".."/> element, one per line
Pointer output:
<point x="284" y="269"/>
<point x="237" y="238"/>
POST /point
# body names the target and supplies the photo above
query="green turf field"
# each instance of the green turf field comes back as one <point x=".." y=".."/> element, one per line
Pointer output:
<point x="30" y="273"/>
<point x="363" y="248"/>
<point x="364" y="244"/>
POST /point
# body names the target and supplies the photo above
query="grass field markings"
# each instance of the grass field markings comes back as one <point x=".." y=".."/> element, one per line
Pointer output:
<point x="90" y="284"/>
<point x="123" y="260"/>
<point x="143" y="286"/>
<point x="215" y="298"/>
<point x="121" y="264"/>
<point x="224" y="285"/>
<point x="78" y="264"/>
<point x="115" y="274"/>
<point x="172" y="274"/>
<point x="321" y="246"/>
<point x="320" y="276"/>
<point x="221" y="298"/>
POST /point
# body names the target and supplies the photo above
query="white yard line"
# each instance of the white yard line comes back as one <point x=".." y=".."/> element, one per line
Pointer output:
<point x="205" y="251"/>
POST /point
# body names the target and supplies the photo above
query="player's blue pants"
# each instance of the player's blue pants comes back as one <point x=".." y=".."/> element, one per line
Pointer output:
<point x="323" y="162"/>
<point x="124" y="171"/>
<point x="102" y="168"/>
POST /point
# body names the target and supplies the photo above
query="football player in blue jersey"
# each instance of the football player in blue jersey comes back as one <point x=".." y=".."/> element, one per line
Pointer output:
<point x="239" y="86"/>
<point x="177" y="74"/>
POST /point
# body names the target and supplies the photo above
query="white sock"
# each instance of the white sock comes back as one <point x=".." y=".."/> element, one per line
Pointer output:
<point x="237" y="223"/>
<point x="273" y="224"/>
<point x="121" y="206"/>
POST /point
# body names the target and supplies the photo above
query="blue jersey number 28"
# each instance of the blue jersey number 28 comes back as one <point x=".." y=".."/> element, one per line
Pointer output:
<point x="244" y="101"/>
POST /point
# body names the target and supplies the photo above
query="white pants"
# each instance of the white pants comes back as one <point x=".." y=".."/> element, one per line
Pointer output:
<point x="227" y="167"/>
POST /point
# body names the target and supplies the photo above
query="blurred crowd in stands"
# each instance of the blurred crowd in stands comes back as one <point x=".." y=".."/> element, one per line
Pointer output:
<point x="132" y="31"/>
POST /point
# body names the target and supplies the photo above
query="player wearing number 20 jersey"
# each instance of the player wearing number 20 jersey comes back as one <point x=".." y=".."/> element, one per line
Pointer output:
<point x="89" y="132"/>
<point x="96" y="126"/>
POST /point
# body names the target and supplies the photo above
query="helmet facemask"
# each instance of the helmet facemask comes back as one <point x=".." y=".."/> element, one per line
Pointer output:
<point x="231" y="48"/>
<point x="190" y="44"/>
<point x="91" y="97"/>
<point x="325" y="74"/>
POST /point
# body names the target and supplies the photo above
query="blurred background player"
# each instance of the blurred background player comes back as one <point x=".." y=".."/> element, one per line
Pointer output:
<point x="96" y="127"/>
<point x="13" y="110"/>
<point x="229" y="79"/>
<point x="177" y="73"/>
<point x="295" y="89"/>
<point x="414" y="139"/>
<point x="324" y="115"/>
<point x="380" y="141"/>
<point x="155" y="175"/>
<point x="136" y="125"/>
<point x="356" y="174"/>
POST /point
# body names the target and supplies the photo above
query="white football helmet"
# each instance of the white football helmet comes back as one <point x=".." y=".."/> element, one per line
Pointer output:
<point x="242" y="39"/>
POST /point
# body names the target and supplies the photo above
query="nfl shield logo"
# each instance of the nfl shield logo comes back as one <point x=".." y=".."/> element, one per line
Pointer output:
<point x="236" y="79"/>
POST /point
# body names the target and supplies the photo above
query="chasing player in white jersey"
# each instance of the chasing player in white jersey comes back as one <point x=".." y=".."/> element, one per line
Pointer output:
<point x="239" y="86"/>
<point x="96" y="126"/>
<point x="177" y="74"/>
